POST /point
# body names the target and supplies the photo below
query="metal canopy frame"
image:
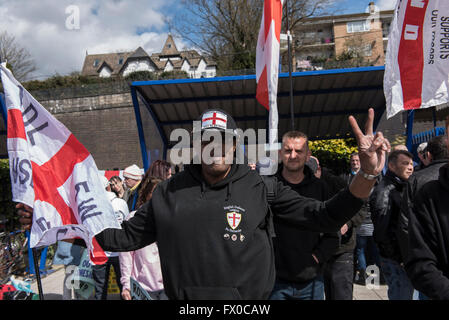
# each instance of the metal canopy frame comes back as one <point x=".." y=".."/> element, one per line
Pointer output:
<point x="173" y="103"/>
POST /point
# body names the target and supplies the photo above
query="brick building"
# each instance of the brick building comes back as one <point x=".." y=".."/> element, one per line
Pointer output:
<point x="318" y="39"/>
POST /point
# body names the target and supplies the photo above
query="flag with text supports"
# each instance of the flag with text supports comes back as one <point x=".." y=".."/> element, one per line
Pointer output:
<point x="267" y="63"/>
<point x="52" y="172"/>
<point x="417" y="58"/>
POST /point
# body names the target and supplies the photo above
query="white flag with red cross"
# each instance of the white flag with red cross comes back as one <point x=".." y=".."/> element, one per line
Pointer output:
<point x="267" y="62"/>
<point x="417" y="59"/>
<point x="52" y="172"/>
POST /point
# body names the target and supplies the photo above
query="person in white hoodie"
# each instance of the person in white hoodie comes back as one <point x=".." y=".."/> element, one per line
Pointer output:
<point x="143" y="265"/>
<point x="100" y="273"/>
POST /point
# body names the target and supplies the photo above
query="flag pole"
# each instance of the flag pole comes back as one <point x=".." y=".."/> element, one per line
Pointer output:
<point x="290" y="70"/>
<point x="38" y="274"/>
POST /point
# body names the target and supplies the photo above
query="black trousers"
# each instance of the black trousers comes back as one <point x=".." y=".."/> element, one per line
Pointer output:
<point x="100" y="274"/>
<point x="338" y="277"/>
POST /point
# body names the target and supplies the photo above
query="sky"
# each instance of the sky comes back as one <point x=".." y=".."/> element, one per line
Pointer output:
<point x="356" y="6"/>
<point x="58" y="33"/>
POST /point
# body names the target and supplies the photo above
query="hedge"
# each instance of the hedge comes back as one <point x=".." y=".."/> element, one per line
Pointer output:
<point x="334" y="154"/>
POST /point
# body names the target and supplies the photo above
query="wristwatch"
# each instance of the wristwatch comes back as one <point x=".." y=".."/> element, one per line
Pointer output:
<point x="368" y="176"/>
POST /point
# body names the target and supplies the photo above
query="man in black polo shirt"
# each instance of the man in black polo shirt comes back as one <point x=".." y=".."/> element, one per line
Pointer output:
<point x="300" y="255"/>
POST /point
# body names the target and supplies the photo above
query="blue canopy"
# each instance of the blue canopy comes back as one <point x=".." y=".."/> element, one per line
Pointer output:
<point x="323" y="100"/>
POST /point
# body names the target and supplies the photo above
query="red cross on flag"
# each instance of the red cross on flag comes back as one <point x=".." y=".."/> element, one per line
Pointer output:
<point x="214" y="120"/>
<point x="267" y="62"/>
<point x="52" y="172"/>
<point x="417" y="58"/>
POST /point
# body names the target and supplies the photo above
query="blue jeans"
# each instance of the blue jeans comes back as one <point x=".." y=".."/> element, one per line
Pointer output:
<point x="399" y="285"/>
<point x="313" y="290"/>
<point x="365" y="243"/>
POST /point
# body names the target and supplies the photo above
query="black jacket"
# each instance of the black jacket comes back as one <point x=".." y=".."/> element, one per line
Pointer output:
<point x="293" y="249"/>
<point x="414" y="183"/>
<point x="215" y="242"/>
<point x="348" y="240"/>
<point x="385" y="204"/>
<point x="428" y="256"/>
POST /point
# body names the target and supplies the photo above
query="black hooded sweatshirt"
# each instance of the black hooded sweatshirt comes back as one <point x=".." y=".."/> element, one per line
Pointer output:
<point x="293" y="249"/>
<point x="428" y="254"/>
<point x="215" y="241"/>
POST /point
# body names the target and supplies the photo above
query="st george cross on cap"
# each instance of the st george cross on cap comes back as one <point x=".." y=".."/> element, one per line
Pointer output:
<point x="217" y="119"/>
<point x="214" y="120"/>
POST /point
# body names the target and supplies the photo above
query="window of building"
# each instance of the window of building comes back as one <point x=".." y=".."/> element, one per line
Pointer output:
<point x="120" y="61"/>
<point x="310" y="35"/>
<point x="96" y="62"/>
<point x="358" y="26"/>
<point x="366" y="50"/>
<point x="169" y="45"/>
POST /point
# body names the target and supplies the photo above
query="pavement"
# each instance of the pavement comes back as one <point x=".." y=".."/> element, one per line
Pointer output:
<point x="52" y="288"/>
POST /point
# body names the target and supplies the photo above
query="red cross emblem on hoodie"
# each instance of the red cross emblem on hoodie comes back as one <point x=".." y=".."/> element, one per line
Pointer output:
<point x="234" y="219"/>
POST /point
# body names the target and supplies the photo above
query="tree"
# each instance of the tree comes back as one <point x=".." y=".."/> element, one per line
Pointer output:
<point x="357" y="53"/>
<point x="17" y="57"/>
<point x="227" y="30"/>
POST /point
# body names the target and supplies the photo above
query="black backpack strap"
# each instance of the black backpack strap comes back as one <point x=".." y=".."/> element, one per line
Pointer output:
<point x="270" y="183"/>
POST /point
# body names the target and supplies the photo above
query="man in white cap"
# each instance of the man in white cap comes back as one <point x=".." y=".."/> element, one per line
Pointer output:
<point x="213" y="221"/>
<point x="132" y="177"/>
<point x="423" y="156"/>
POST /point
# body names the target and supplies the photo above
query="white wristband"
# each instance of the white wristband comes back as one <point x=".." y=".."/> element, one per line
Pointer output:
<point x="368" y="176"/>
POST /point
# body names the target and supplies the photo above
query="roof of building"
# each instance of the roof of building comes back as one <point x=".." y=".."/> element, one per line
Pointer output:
<point x="169" y="51"/>
<point x="90" y="68"/>
<point x="344" y="17"/>
<point x="169" y="48"/>
<point x="139" y="53"/>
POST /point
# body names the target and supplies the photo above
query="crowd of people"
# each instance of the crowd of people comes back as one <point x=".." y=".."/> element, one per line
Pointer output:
<point x="226" y="231"/>
<point x="373" y="246"/>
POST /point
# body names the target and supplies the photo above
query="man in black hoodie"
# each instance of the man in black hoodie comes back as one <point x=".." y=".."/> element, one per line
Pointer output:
<point x="213" y="223"/>
<point x="300" y="255"/>
<point x="428" y="255"/>
<point x="385" y="206"/>
<point x="437" y="154"/>
<point x="425" y="223"/>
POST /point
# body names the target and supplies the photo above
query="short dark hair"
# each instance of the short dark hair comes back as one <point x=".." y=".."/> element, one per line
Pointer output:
<point x="296" y="135"/>
<point x="353" y="154"/>
<point x="394" y="155"/>
<point x="437" y="147"/>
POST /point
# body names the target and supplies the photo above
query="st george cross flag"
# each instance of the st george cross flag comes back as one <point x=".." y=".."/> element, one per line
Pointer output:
<point x="52" y="172"/>
<point x="417" y="59"/>
<point x="267" y="62"/>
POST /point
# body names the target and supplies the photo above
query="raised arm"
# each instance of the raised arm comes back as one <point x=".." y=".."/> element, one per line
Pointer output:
<point x="331" y="215"/>
<point x="372" y="152"/>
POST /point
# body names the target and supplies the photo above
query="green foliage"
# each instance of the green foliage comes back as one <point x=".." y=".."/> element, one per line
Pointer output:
<point x="244" y="60"/>
<point x="173" y="75"/>
<point x="141" y="76"/>
<point x="58" y="81"/>
<point x="334" y="154"/>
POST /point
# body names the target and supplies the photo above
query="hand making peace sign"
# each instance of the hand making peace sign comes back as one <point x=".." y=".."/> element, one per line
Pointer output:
<point x="372" y="148"/>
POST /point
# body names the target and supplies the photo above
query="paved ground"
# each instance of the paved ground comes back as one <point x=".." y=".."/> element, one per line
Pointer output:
<point x="52" y="288"/>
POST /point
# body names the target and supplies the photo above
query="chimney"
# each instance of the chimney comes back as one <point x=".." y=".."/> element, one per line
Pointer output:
<point x="372" y="7"/>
